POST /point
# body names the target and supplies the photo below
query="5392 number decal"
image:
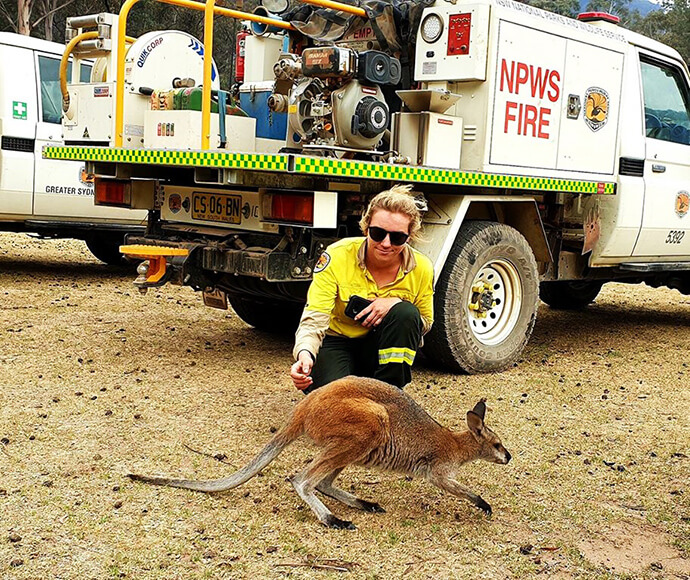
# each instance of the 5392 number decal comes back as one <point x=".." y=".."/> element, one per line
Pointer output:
<point x="675" y="236"/>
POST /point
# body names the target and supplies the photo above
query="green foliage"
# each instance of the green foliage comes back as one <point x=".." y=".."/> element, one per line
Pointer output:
<point x="618" y="8"/>
<point x="565" y="7"/>
<point x="669" y="25"/>
<point x="145" y="16"/>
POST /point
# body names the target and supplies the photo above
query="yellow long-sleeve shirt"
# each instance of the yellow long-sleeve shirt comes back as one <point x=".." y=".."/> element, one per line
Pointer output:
<point x="340" y="273"/>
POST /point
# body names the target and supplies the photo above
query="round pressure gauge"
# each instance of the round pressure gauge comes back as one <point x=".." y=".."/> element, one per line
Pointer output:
<point x="432" y="27"/>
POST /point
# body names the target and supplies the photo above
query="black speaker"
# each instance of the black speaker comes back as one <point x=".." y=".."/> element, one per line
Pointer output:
<point x="396" y="71"/>
<point x="377" y="68"/>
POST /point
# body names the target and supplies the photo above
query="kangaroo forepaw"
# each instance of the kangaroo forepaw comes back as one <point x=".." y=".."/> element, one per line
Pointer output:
<point x="373" y="507"/>
<point x="485" y="507"/>
<point x="337" y="524"/>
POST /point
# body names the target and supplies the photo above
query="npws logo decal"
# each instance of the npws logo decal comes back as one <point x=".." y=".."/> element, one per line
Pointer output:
<point x="322" y="263"/>
<point x="682" y="203"/>
<point x="596" y="108"/>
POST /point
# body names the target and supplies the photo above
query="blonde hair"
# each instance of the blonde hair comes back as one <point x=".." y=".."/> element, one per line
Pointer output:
<point x="397" y="199"/>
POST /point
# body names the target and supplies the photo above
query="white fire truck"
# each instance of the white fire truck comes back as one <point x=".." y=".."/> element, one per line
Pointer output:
<point x="42" y="196"/>
<point x="551" y="154"/>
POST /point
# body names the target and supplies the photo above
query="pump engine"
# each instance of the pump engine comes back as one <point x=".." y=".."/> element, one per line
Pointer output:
<point x="333" y="97"/>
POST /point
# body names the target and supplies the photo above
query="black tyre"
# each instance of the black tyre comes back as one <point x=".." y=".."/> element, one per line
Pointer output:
<point x="486" y="300"/>
<point x="569" y="295"/>
<point x="276" y="316"/>
<point x="106" y="247"/>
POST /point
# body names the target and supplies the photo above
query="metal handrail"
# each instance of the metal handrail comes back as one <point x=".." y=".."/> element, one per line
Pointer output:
<point x="208" y="50"/>
<point x="206" y="87"/>
<point x="210" y="9"/>
<point x="337" y="6"/>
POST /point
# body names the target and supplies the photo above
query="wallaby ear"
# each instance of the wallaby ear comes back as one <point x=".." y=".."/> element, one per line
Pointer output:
<point x="480" y="408"/>
<point x="475" y="424"/>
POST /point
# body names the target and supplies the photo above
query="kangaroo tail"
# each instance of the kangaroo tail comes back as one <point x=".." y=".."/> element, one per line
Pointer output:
<point x="274" y="447"/>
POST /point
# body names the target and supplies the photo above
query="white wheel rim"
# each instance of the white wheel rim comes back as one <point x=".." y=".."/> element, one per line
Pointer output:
<point x="493" y="312"/>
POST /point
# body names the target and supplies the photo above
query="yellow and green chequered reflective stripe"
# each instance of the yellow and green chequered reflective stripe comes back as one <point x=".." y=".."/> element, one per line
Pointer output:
<point x="220" y="159"/>
<point x="396" y="355"/>
<point x="368" y="170"/>
<point x="326" y="167"/>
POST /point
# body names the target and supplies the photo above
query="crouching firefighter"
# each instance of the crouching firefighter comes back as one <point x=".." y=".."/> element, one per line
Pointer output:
<point x="370" y="301"/>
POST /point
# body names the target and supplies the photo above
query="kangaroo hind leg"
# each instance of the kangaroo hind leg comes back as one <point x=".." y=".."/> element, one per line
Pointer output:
<point x="362" y="426"/>
<point x="326" y="487"/>
<point x="305" y="483"/>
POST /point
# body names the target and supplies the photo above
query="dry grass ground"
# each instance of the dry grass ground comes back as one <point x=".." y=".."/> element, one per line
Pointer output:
<point x="96" y="380"/>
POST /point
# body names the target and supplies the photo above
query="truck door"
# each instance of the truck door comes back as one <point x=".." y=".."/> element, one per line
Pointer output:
<point x="665" y="227"/>
<point x="61" y="187"/>
<point x="18" y="104"/>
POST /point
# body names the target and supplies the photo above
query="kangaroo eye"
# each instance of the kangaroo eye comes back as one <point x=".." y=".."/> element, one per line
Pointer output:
<point x="497" y="446"/>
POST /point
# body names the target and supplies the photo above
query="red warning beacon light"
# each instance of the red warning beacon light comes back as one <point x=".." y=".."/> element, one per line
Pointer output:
<point x="598" y="17"/>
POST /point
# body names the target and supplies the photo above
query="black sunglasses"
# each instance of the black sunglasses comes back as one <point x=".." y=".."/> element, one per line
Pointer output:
<point x="379" y="234"/>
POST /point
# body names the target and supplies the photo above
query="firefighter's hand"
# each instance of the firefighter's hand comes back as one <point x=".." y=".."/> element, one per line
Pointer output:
<point x="373" y="314"/>
<point x="301" y="370"/>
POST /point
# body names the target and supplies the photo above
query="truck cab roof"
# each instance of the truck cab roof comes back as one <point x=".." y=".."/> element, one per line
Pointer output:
<point x="24" y="41"/>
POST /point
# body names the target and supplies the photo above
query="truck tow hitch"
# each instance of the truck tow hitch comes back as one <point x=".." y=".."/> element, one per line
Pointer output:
<point x="152" y="271"/>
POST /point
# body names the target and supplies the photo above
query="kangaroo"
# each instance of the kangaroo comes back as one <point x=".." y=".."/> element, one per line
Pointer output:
<point x="366" y="422"/>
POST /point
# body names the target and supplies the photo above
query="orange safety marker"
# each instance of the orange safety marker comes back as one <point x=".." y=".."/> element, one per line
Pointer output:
<point x="156" y="255"/>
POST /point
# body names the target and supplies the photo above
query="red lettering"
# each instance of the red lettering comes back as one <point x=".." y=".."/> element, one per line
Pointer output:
<point x="544" y="123"/>
<point x="509" y="105"/>
<point x="541" y="81"/>
<point x="554" y="91"/>
<point x="538" y="81"/>
<point x="505" y="75"/>
<point x="522" y="75"/>
<point x="530" y="119"/>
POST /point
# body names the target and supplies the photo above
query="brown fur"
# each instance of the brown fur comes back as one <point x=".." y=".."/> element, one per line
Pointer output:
<point x="366" y="422"/>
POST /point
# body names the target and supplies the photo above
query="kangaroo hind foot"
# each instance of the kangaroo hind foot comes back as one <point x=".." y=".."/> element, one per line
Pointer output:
<point x="327" y="488"/>
<point x="305" y="490"/>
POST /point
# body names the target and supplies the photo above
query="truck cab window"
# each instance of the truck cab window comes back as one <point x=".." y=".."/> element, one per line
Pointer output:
<point x="665" y="103"/>
<point x="49" y="77"/>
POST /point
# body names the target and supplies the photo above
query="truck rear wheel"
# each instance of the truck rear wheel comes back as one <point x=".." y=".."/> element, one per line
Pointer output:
<point x="486" y="299"/>
<point x="106" y="247"/>
<point x="276" y="316"/>
<point x="569" y="295"/>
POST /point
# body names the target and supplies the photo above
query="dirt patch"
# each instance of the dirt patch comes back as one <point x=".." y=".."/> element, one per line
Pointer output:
<point x="631" y="549"/>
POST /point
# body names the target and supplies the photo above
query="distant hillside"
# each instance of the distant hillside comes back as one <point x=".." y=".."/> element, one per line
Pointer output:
<point x="642" y="6"/>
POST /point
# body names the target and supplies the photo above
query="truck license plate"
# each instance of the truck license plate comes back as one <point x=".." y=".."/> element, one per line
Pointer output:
<point x="217" y="207"/>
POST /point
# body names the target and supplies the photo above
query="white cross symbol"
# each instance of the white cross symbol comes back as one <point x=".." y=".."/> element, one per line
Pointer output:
<point x="19" y="109"/>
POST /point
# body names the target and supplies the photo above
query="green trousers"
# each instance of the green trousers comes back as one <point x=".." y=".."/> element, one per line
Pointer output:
<point x="385" y="353"/>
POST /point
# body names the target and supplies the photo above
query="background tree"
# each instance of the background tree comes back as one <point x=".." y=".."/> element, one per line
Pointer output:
<point x="47" y="19"/>
<point x="564" y="7"/>
<point x="26" y="15"/>
<point x="620" y="8"/>
<point x="670" y="25"/>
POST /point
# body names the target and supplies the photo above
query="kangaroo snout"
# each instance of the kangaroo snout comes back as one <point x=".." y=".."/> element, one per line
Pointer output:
<point x="501" y="457"/>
